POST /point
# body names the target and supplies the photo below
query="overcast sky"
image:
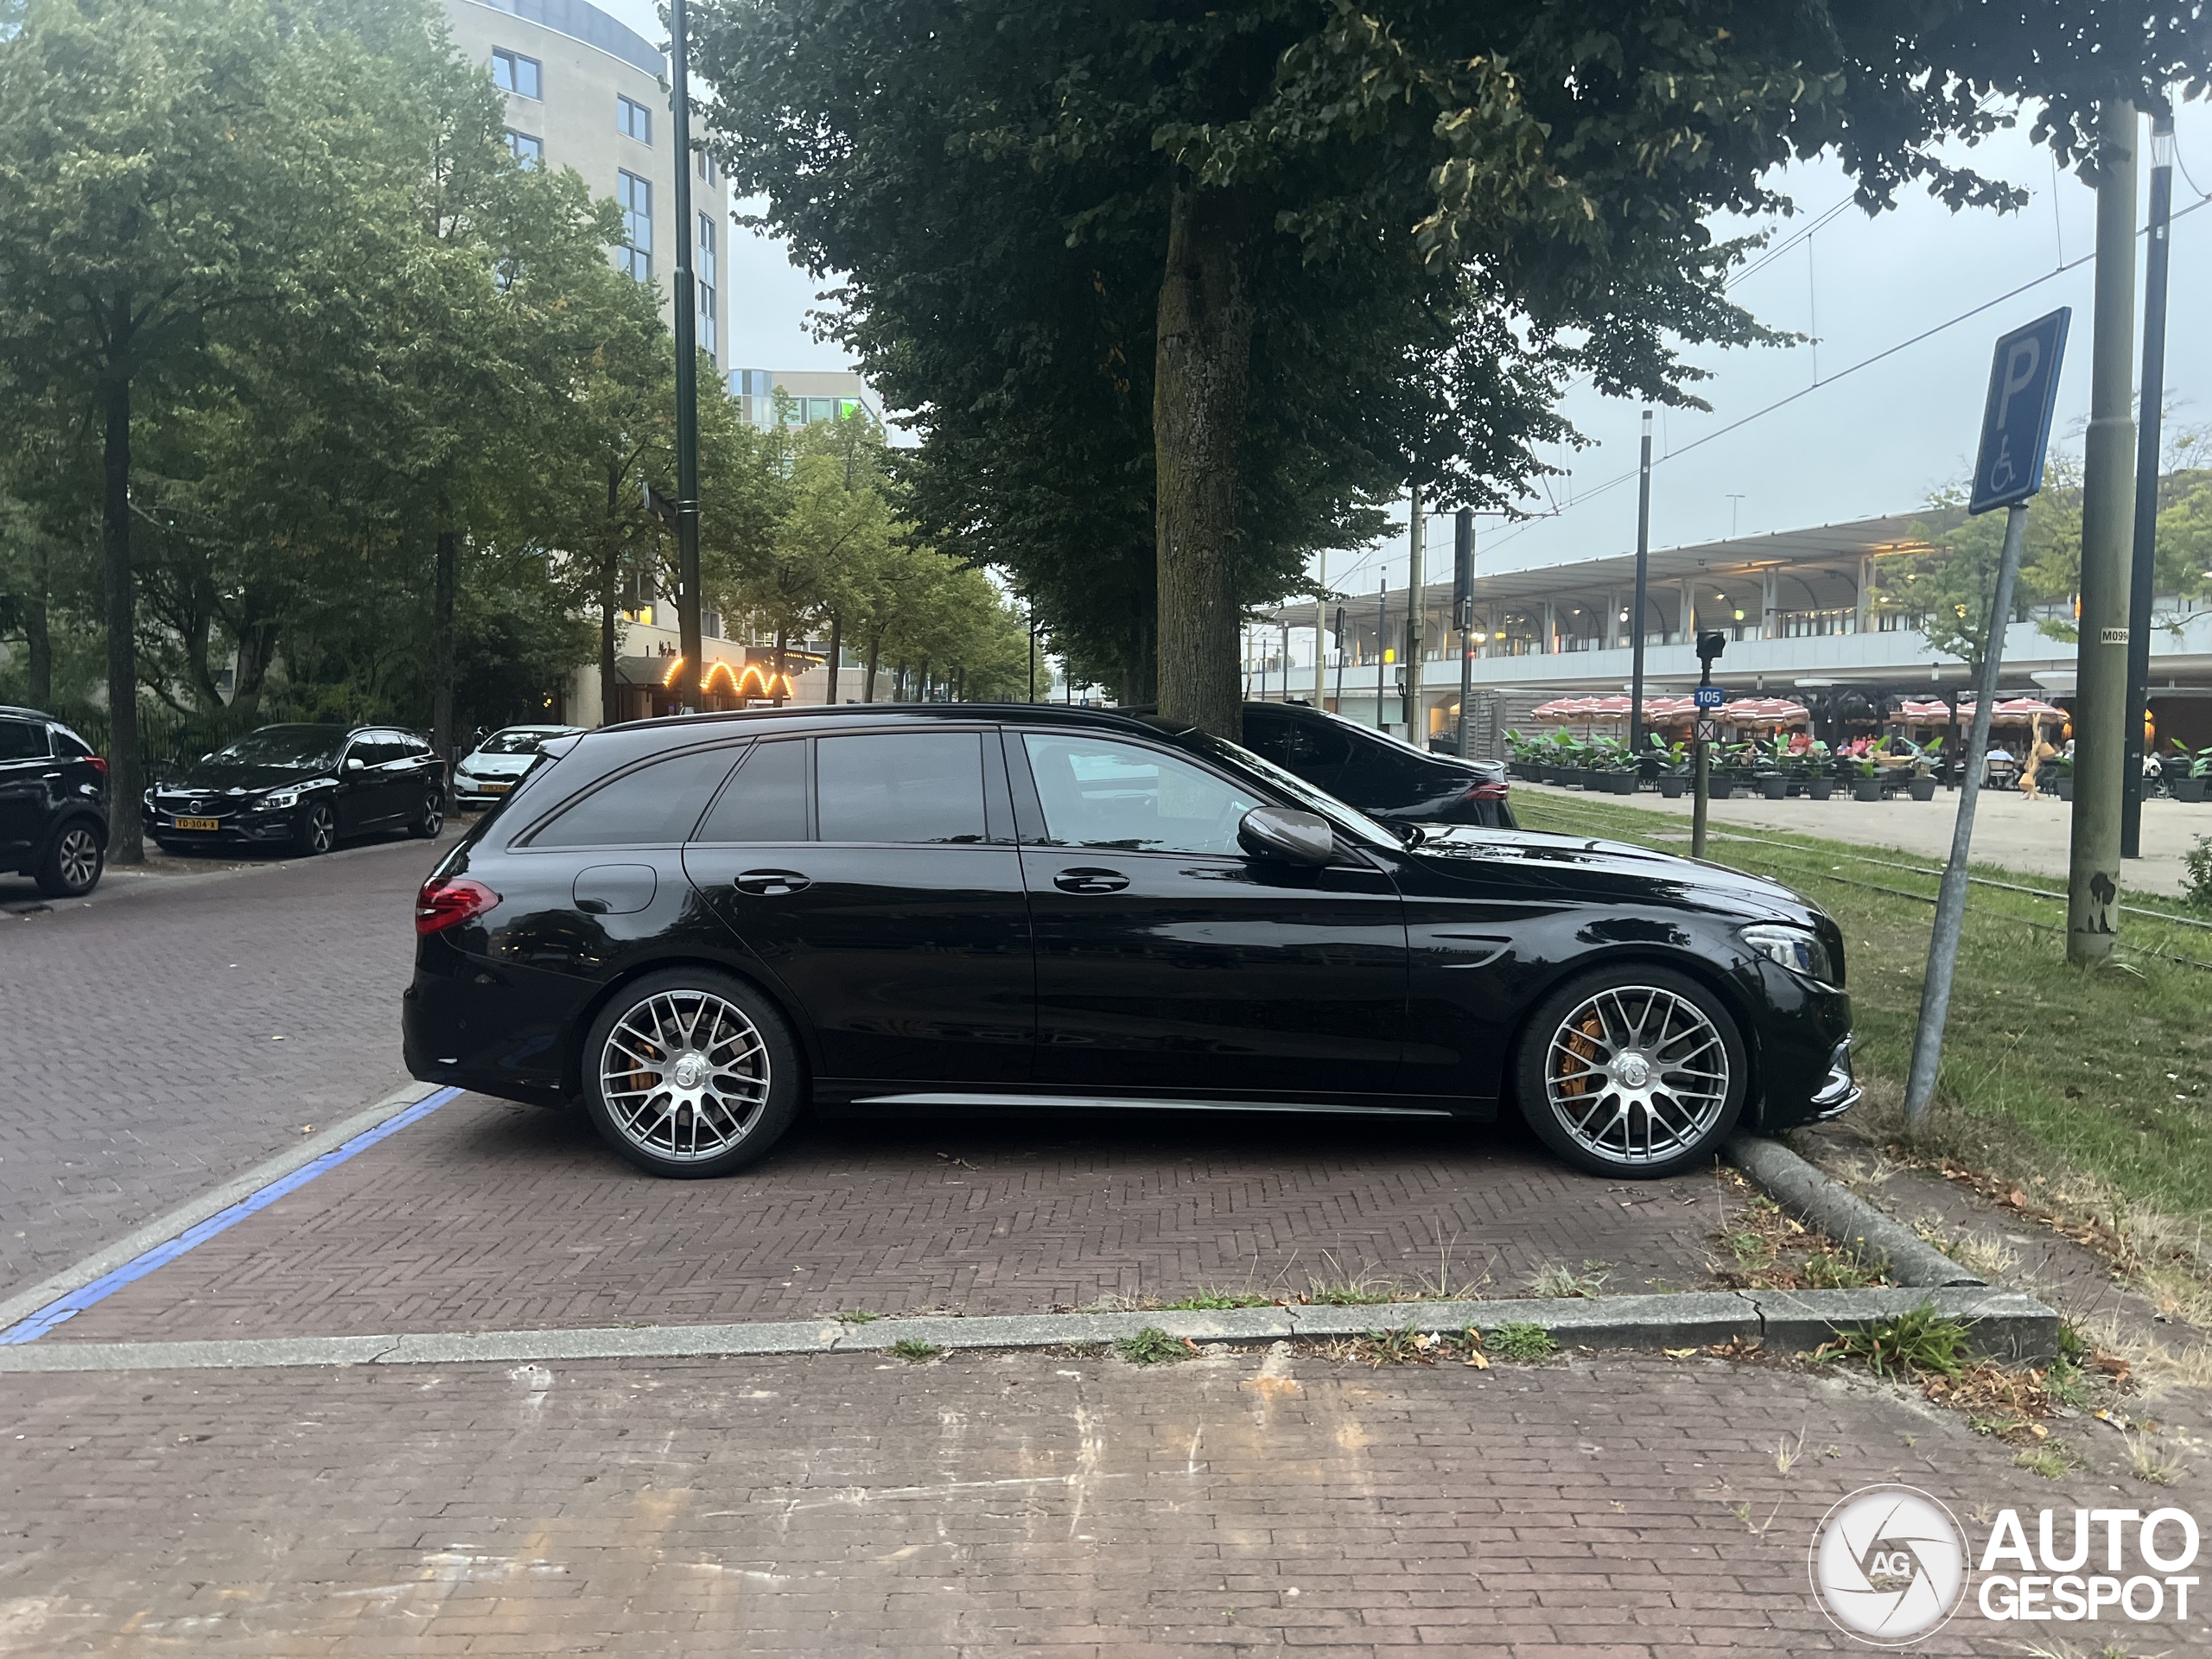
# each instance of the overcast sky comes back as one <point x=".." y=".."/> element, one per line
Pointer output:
<point x="1876" y="440"/>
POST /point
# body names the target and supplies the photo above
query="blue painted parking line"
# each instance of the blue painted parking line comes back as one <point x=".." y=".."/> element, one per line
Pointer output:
<point x="68" y="1307"/>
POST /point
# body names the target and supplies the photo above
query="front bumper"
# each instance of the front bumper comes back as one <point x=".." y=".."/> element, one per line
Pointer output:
<point x="480" y="794"/>
<point x="234" y="827"/>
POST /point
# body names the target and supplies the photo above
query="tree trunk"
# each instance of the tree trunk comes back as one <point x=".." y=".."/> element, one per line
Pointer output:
<point x="874" y="657"/>
<point x="38" y="639"/>
<point x="921" y="681"/>
<point x="610" y="582"/>
<point x="1201" y="364"/>
<point x="442" y="664"/>
<point x="1139" y="685"/>
<point x="257" y="632"/>
<point x="837" y="644"/>
<point x="125" y="842"/>
<point x="783" y="639"/>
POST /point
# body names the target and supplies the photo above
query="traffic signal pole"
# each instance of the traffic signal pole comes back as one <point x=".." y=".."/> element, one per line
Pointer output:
<point x="2100" y="701"/>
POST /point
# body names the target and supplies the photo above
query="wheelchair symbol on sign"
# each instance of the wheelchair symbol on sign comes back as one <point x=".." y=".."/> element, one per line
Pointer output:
<point x="2003" y="475"/>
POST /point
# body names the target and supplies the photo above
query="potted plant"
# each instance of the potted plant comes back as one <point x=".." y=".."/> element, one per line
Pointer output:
<point x="1866" y="779"/>
<point x="2062" y="776"/>
<point x="1820" y="771"/>
<point x="2191" y="785"/>
<point x="1772" y="766"/>
<point x="1923" y="771"/>
<point x="1674" y="768"/>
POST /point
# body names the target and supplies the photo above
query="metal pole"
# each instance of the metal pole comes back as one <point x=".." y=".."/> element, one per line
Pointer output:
<point x="1643" y="585"/>
<point x="1463" y="610"/>
<point x="1343" y="649"/>
<point x="2100" y="704"/>
<point x="689" y="633"/>
<point x="1321" y="635"/>
<point x="1951" y="894"/>
<point x="1382" y="655"/>
<point x="1286" y="662"/>
<point x="1416" y="613"/>
<point x="2150" y="418"/>
<point x="1032" y="650"/>
<point x="1702" y="783"/>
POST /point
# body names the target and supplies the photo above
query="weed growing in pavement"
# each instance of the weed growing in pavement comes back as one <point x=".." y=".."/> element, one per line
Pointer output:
<point x="1786" y="1454"/>
<point x="1769" y="1250"/>
<point x="1564" y="1281"/>
<point x="1832" y="1270"/>
<point x="1215" y="1299"/>
<point x="914" y="1350"/>
<point x="2057" y="1650"/>
<point x="2051" y="1461"/>
<point x="1987" y="1258"/>
<point x="1406" y="1347"/>
<point x="1153" y="1346"/>
<point x="1520" y="1339"/>
<point x="1917" y="1342"/>
<point x="1342" y="1295"/>
<point x="2149" y="1461"/>
<point x="858" y="1316"/>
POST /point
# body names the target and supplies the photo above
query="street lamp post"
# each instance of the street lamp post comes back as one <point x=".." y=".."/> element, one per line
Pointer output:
<point x="1642" y="588"/>
<point x="691" y="638"/>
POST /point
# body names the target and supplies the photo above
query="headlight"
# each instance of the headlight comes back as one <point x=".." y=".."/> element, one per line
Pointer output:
<point x="148" y="799"/>
<point x="1793" y="948"/>
<point x="282" y="801"/>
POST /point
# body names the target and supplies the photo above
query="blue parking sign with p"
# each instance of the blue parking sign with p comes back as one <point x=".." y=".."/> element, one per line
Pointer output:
<point x="2016" y="421"/>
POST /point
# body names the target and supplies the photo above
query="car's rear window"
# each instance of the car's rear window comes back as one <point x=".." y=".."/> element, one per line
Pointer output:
<point x="900" y="786"/>
<point x="766" y="801"/>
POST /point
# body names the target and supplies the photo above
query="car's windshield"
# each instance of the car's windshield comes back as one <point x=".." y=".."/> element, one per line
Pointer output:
<point x="1349" y="819"/>
<point x="287" y="746"/>
<point x="516" y="740"/>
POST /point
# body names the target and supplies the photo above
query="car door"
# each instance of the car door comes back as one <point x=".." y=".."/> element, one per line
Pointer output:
<point x="874" y="876"/>
<point x="26" y="761"/>
<point x="1170" y="962"/>
<point x="415" y="773"/>
<point x="361" y="787"/>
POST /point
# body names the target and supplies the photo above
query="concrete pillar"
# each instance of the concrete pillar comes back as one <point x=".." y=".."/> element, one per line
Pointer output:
<point x="1865" y="602"/>
<point x="1770" y="605"/>
<point x="1689" y="611"/>
<point x="1551" y="629"/>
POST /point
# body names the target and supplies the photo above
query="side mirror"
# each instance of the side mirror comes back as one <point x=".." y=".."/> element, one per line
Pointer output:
<point x="1292" y="837"/>
<point x="354" y="763"/>
<point x="209" y="756"/>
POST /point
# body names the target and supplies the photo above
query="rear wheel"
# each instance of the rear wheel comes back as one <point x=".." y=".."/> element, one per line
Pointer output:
<point x="1634" y="1071"/>
<point x="72" y="866"/>
<point x="690" y="1074"/>
<point x="318" y="830"/>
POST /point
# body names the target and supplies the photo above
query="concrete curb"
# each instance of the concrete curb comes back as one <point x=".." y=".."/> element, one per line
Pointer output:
<point x="163" y="1228"/>
<point x="2002" y="1324"/>
<point x="1854" y="1224"/>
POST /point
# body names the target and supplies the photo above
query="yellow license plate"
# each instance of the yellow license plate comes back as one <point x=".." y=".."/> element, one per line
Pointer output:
<point x="496" y="789"/>
<point x="199" y="823"/>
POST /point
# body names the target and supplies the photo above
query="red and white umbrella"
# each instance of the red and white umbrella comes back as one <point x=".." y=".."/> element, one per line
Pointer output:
<point x="2012" y="711"/>
<point x="1593" y="709"/>
<point x="1764" y="711"/>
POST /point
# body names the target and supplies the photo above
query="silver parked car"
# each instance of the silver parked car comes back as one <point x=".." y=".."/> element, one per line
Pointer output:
<point x="496" y="764"/>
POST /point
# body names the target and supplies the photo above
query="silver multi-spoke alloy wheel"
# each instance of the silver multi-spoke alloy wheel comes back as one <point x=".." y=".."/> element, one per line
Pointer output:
<point x="318" y="831"/>
<point x="78" y="858"/>
<point x="685" y="1076"/>
<point x="1637" y="1074"/>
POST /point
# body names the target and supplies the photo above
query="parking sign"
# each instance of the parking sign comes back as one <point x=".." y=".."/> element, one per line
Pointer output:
<point x="2015" y="419"/>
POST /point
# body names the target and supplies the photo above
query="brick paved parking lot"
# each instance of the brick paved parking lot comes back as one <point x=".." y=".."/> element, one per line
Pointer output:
<point x="487" y="1216"/>
<point x="1615" y="1506"/>
<point x="140" y="1059"/>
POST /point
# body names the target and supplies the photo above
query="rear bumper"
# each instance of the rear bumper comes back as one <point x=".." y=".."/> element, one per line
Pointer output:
<point x="469" y="1023"/>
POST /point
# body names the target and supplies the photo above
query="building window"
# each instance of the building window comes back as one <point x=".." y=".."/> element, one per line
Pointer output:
<point x="634" y="196"/>
<point x="633" y="118"/>
<point x="528" y="150"/>
<point x="710" y="280"/>
<point x="709" y="173"/>
<point x="513" y="72"/>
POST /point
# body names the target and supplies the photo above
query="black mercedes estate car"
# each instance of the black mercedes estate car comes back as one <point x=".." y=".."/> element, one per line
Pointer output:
<point x="54" y="821"/>
<point x="1374" y="771"/>
<point x="699" y="925"/>
<point x="304" y="787"/>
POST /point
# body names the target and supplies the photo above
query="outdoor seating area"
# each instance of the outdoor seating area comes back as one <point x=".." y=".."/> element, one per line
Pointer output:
<point x="1768" y="747"/>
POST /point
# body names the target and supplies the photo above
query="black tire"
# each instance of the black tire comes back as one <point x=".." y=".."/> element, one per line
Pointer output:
<point x="640" y="1122"/>
<point x="1674" y="1105"/>
<point x="72" y="863"/>
<point x="317" y="831"/>
<point x="431" y="819"/>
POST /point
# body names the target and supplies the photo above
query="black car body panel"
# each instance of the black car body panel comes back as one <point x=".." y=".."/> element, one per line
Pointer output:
<point x="1374" y="771"/>
<point x="371" y="778"/>
<point x="1000" y="959"/>
<point x="49" y="779"/>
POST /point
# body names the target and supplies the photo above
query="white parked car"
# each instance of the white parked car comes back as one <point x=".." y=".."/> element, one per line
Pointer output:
<point x="496" y="764"/>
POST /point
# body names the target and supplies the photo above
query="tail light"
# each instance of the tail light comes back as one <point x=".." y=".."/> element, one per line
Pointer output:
<point x="1487" y="789"/>
<point x="444" y="904"/>
<point x="99" y="763"/>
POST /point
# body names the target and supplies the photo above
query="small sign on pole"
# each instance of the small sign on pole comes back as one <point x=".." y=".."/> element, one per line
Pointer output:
<point x="2015" y="418"/>
<point x="1709" y="697"/>
<point x="1708" y="731"/>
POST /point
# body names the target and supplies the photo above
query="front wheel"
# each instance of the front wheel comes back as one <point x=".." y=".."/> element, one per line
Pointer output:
<point x="431" y="819"/>
<point x="690" y="1073"/>
<point x="318" y="830"/>
<point x="72" y="866"/>
<point x="1634" y="1071"/>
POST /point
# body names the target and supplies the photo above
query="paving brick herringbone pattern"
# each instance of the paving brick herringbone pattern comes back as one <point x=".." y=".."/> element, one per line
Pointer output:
<point x="487" y="1216"/>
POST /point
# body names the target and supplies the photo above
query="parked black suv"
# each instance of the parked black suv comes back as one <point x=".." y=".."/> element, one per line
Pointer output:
<point x="306" y="787"/>
<point x="697" y="925"/>
<point x="53" y="804"/>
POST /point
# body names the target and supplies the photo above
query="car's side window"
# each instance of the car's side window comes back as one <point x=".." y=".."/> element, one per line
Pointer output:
<point x="1098" y="793"/>
<point x="655" y="804"/>
<point x="70" y="746"/>
<point x="21" y="740"/>
<point x="767" y="799"/>
<point x="900" y="786"/>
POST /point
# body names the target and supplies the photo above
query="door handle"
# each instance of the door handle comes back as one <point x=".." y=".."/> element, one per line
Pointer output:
<point x="1090" y="880"/>
<point x="769" y="883"/>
